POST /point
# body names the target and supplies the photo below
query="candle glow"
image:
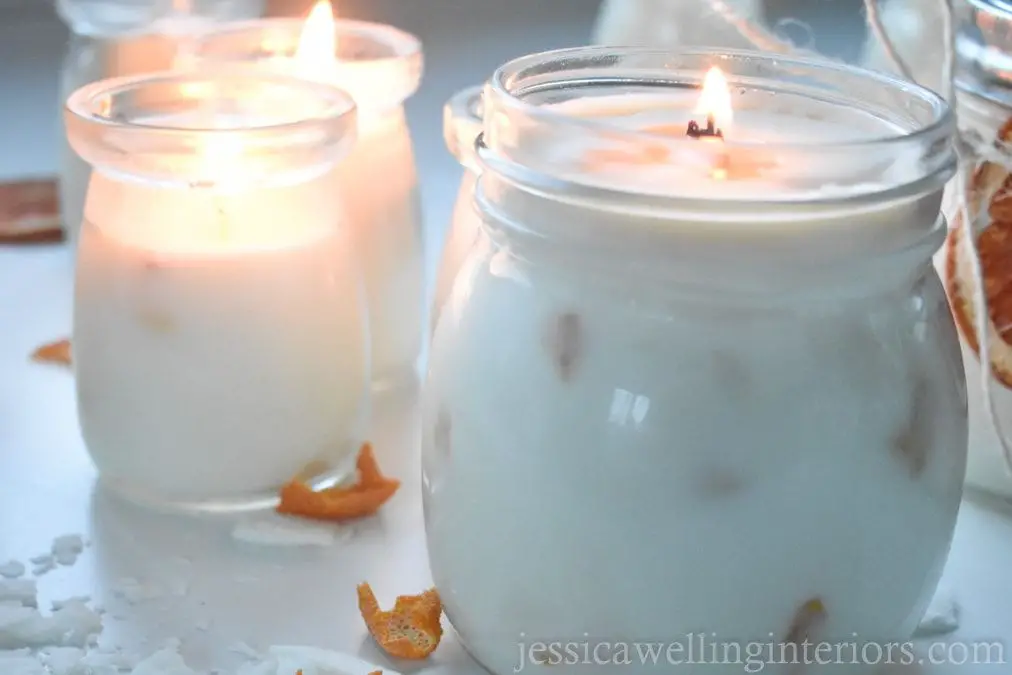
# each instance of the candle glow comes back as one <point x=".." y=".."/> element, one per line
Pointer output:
<point x="318" y="41"/>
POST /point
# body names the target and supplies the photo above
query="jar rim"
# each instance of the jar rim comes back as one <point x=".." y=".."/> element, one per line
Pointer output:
<point x="462" y="119"/>
<point x="394" y="55"/>
<point x="157" y="122"/>
<point x="500" y="89"/>
<point x="918" y="150"/>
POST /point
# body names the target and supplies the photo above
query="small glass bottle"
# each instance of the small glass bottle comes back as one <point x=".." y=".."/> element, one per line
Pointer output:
<point x="220" y="341"/>
<point x="984" y="111"/>
<point x="683" y="352"/>
<point x="116" y="38"/>
<point x="380" y="66"/>
<point x="461" y="127"/>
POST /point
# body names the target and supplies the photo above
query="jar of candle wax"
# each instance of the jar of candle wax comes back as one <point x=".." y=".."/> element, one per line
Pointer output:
<point x="113" y="38"/>
<point x="461" y="126"/>
<point x="710" y="378"/>
<point x="380" y="67"/>
<point x="984" y="106"/>
<point x="220" y="340"/>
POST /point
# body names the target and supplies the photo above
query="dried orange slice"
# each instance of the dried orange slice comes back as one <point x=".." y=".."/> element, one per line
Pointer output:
<point x="411" y="630"/>
<point x="364" y="498"/>
<point x="30" y="212"/>
<point x="54" y="352"/>
<point x="990" y="207"/>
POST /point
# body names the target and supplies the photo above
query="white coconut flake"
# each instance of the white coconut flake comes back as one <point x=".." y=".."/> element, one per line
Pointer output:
<point x="21" y="664"/>
<point x="45" y="567"/>
<point x="12" y="569"/>
<point x="62" y="660"/>
<point x="943" y="615"/>
<point x="103" y="662"/>
<point x="66" y="548"/>
<point x="280" y="531"/>
<point x="324" y="661"/>
<point x="71" y="626"/>
<point x="163" y="662"/>
<point x="80" y="599"/>
<point x="22" y="591"/>
<point x="41" y="559"/>
<point x="202" y="624"/>
<point x="243" y="649"/>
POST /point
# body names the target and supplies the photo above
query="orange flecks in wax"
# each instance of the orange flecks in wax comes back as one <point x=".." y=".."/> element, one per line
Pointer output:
<point x="411" y="630"/>
<point x="341" y="502"/>
<point x="54" y="352"/>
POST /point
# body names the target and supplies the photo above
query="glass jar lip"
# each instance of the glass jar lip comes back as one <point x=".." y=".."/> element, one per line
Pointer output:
<point x="533" y="139"/>
<point x="85" y="103"/>
<point x="462" y="120"/>
<point x="382" y="48"/>
<point x="499" y="94"/>
<point x="309" y="125"/>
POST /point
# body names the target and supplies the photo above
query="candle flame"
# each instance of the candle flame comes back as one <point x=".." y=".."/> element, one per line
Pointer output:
<point x="715" y="100"/>
<point x="318" y="42"/>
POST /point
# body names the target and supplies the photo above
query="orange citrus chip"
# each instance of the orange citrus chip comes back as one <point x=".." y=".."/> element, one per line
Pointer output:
<point x="411" y="630"/>
<point x="54" y="352"/>
<point x="30" y="212"/>
<point x="989" y="201"/>
<point x="341" y="502"/>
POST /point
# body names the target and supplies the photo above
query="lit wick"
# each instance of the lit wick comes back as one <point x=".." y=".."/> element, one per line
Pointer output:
<point x="711" y="130"/>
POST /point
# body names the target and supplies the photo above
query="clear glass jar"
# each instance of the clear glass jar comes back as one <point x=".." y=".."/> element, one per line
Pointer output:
<point x="984" y="111"/>
<point x="117" y="38"/>
<point x="677" y="359"/>
<point x="461" y="126"/>
<point x="220" y="340"/>
<point x="380" y="66"/>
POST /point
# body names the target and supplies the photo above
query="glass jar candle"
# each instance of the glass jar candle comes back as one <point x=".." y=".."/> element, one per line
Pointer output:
<point x="117" y="38"/>
<point x="706" y="372"/>
<point x="461" y="126"/>
<point x="984" y="107"/>
<point x="380" y="67"/>
<point x="220" y="341"/>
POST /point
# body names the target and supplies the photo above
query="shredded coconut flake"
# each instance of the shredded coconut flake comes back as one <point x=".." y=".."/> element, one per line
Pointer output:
<point x="943" y="615"/>
<point x="164" y="662"/>
<point x="12" y="569"/>
<point x="244" y="649"/>
<point x="22" y="591"/>
<point x="71" y="626"/>
<point x="66" y="548"/>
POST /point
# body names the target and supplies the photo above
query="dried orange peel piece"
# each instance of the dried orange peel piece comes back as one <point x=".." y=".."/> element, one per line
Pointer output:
<point x="30" y="212"/>
<point x="411" y="630"/>
<point x="55" y="352"/>
<point x="340" y="502"/>
<point x="989" y="200"/>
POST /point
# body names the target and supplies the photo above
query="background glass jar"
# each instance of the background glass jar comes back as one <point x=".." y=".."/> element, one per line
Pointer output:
<point x="380" y="67"/>
<point x="715" y="385"/>
<point x="461" y="126"/>
<point x="220" y="341"/>
<point x="117" y="38"/>
<point x="984" y="107"/>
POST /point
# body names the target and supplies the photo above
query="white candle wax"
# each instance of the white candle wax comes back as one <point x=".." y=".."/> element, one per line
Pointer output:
<point x="218" y="337"/>
<point x="755" y="152"/>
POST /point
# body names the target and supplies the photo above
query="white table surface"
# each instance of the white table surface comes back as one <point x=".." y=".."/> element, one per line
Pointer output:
<point x="265" y="596"/>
